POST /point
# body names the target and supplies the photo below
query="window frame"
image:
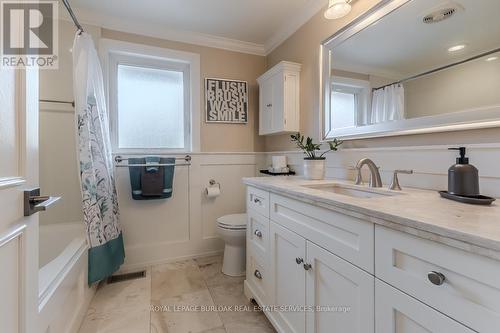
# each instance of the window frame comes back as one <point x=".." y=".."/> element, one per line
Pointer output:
<point x="114" y="53"/>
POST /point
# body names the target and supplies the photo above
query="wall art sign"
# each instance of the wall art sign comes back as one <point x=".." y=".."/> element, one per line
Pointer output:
<point x="226" y="101"/>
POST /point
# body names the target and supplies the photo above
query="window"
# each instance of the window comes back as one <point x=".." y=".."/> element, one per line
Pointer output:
<point x="151" y="108"/>
<point x="153" y="99"/>
<point x="344" y="107"/>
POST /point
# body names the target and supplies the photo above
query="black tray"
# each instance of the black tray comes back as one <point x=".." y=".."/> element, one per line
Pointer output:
<point x="475" y="200"/>
<point x="267" y="172"/>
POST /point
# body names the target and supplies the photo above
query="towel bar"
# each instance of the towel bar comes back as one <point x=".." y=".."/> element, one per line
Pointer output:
<point x="119" y="159"/>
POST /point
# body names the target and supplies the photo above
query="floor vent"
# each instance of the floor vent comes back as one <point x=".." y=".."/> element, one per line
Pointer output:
<point x="126" y="277"/>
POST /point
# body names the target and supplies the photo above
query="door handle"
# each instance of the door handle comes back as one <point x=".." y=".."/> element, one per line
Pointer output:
<point x="34" y="202"/>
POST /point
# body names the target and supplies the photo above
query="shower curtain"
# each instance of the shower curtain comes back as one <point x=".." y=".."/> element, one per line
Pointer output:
<point x="99" y="199"/>
<point x="388" y="104"/>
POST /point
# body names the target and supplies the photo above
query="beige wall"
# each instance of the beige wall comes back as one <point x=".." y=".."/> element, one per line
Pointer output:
<point x="304" y="47"/>
<point x="220" y="64"/>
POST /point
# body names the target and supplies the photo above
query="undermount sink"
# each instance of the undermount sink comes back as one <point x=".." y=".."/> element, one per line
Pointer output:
<point x="352" y="191"/>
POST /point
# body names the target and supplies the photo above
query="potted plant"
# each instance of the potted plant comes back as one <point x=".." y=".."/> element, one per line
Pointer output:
<point x="314" y="164"/>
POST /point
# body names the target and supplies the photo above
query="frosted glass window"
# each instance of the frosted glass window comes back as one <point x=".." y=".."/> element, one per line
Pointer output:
<point x="344" y="109"/>
<point x="150" y="108"/>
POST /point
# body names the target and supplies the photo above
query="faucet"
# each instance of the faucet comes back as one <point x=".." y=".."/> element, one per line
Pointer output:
<point x="375" y="180"/>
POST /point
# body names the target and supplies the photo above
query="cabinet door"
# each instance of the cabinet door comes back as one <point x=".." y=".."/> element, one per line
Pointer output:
<point x="266" y="107"/>
<point x="288" y="278"/>
<point x="278" y="107"/>
<point x="397" y="312"/>
<point x="340" y="296"/>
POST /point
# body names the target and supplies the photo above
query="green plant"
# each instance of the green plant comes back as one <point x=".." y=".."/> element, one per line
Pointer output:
<point x="310" y="148"/>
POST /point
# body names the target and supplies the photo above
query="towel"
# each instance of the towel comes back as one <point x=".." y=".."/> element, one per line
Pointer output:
<point x="151" y="182"/>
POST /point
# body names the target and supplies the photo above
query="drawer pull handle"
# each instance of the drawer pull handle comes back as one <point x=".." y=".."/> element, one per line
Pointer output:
<point x="307" y="267"/>
<point x="257" y="201"/>
<point x="436" y="278"/>
<point x="258" y="233"/>
<point x="269" y="105"/>
<point x="257" y="274"/>
<point x="299" y="261"/>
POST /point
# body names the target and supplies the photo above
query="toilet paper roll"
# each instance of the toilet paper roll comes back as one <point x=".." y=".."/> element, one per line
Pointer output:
<point x="212" y="192"/>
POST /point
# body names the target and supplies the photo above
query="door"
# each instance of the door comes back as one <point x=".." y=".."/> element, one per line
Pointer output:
<point x="278" y="98"/>
<point x="396" y="312"/>
<point x="340" y="294"/>
<point x="288" y="278"/>
<point x="266" y="107"/>
<point x="18" y="171"/>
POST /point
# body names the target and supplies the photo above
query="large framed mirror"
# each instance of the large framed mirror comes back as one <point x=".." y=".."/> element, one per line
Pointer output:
<point x="413" y="66"/>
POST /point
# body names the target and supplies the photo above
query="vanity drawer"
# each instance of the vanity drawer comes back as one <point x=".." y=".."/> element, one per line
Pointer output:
<point x="258" y="276"/>
<point x="470" y="292"/>
<point x="345" y="236"/>
<point x="396" y="312"/>
<point x="258" y="233"/>
<point x="258" y="200"/>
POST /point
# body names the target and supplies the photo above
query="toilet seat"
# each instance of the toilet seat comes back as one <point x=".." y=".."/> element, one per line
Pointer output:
<point x="233" y="222"/>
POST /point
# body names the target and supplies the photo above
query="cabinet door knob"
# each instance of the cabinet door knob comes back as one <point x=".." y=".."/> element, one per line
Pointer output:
<point x="307" y="267"/>
<point x="258" y="233"/>
<point x="269" y="105"/>
<point x="256" y="200"/>
<point x="257" y="274"/>
<point x="436" y="278"/>
<point x="299" y="261"/>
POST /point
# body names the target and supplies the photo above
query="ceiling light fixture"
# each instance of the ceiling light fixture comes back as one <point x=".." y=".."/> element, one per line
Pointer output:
<point x="337" y="9"/>
<point x="492" y="58"/>
<point x="456" y="48"/>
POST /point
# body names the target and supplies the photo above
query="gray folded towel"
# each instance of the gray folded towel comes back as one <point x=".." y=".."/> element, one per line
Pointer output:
<point x="151" y="182"/>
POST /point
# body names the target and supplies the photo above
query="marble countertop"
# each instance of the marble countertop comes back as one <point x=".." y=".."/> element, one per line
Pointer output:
<point x="419" y="209"/>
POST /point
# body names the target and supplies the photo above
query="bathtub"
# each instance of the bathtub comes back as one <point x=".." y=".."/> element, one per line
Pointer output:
<point x="63" y="293"/>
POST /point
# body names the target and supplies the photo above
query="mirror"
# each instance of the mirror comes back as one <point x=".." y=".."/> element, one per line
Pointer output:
<point x="409" y="67"/>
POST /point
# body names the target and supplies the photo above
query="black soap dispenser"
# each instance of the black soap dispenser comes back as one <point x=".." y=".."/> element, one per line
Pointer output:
<point x="463" y="178"/>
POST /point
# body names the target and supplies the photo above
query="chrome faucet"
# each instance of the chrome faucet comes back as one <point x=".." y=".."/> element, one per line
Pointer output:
<point x="375" y="180"/>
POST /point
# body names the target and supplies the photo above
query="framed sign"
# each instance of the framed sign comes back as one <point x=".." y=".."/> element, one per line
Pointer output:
<point x="226" y="101"/>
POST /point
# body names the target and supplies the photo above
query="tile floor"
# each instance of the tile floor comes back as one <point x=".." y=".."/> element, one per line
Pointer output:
<point x="169" y="299"/>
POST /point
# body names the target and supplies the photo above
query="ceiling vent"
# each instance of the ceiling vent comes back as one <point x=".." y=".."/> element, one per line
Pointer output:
<point x="442" y="13"/>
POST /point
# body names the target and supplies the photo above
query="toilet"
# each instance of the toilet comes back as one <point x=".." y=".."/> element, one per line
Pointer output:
<point x="232" y="229"/>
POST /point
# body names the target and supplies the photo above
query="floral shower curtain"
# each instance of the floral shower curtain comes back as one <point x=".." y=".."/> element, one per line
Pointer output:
<point x="99" y="199"/>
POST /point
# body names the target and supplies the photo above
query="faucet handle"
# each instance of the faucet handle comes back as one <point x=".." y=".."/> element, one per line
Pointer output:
<point x="359" y="178"/>
<point x="395" y="181"/>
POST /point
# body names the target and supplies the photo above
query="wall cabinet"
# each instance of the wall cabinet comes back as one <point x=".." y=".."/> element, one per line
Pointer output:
<point x="326" y="271"/>
<point x="279" y="100"/>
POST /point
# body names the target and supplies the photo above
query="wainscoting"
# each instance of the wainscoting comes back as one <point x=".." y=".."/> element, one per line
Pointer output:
<point x="429" y="163"/>
<point x="183" y="226"/>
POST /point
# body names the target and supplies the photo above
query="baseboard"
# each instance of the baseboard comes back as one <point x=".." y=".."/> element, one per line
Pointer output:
<point x="138" y="266"/>
<point x="77" y="320"/>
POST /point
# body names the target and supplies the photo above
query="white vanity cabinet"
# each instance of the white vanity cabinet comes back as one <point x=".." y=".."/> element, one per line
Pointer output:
<point x="313" y="289"/>
<point x="329" y="270"/>
<point x="279" y="103"/>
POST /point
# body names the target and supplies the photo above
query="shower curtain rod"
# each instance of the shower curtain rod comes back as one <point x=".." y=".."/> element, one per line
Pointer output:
<point x="440" y="68"/>
<point x="73" y="17"/>
<point x="55" y="101"/>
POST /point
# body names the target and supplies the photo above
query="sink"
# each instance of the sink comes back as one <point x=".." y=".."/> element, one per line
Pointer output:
<point x="352" y="191"/>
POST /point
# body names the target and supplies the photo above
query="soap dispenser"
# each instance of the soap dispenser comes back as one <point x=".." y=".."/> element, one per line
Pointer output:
<point x="463" y="178"/>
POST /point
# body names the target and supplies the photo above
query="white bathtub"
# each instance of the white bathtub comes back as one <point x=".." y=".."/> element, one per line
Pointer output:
<point x="63" y="293"/>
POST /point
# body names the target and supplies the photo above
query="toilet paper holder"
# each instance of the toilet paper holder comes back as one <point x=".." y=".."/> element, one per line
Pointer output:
<point x="212" y="182"/>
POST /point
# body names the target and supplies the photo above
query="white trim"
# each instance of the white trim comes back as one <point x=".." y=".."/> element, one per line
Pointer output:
<point x="160" y="31"/>
<point x="163" y="32"/>
<point x="108" y="47"/>
<point x="293" y="24"/>
<point x="478" y="118"/>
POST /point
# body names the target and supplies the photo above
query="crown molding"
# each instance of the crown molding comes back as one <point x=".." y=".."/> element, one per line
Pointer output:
<point x="162" y="32"/>
<point x="293" y="25"/>
<point x="159" y="31"/>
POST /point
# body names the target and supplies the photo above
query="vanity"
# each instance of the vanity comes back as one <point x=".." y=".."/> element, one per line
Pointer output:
<point x="330" y="256"/>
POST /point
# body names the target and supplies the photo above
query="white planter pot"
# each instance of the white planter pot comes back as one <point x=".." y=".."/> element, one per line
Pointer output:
<point x="314" y="169"/>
